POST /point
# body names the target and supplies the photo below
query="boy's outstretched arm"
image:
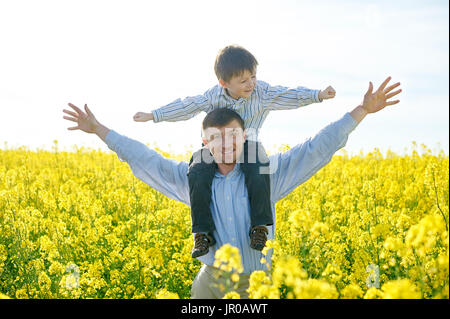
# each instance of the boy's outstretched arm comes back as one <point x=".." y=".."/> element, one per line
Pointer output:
<point x="178" y="110"/>
<point x="288" y="98"/>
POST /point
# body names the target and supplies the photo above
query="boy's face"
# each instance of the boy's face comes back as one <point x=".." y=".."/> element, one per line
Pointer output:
<point x="241" y="85"/>
<point x="225" y="143"/>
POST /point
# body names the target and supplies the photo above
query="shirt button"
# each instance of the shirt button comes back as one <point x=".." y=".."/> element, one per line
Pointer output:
<point x="228" y="197"/>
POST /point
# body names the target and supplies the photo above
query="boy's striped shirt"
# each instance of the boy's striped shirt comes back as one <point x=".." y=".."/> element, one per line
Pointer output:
<point x="253" y="110"/>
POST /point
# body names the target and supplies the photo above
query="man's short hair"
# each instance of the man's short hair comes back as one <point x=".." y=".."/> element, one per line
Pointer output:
<point x="221" y="117"/>
<point x="232" y="61"/>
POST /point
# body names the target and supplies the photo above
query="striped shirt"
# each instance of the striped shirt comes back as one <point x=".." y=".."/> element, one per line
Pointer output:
<point x="253" y="110"/>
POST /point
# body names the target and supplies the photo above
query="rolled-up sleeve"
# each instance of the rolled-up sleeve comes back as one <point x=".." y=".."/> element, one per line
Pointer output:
<point x="164" y="175"/>
<point x="301" y="162"/>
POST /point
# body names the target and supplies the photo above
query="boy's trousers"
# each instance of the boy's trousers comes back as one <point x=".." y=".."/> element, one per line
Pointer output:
<point x="255" y="166"/>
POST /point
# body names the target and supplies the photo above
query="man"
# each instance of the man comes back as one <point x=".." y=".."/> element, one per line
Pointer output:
<point x="224" y="136"/>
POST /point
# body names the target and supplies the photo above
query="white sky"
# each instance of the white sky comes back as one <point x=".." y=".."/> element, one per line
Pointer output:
<point x="121" y="57"/>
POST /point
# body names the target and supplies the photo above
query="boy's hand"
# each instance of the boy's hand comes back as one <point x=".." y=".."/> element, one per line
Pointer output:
<point x="143" y="117"/>
<point x="328" y="93"/>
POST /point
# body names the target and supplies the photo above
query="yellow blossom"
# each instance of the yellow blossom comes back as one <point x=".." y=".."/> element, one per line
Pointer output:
<point x="232" y="295"/>
<point x="165" y="294"/>
<point x="78" y="224"/>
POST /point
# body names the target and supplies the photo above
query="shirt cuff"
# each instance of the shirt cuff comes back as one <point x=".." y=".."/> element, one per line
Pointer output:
<point x="118" y="144"/>
<point x="348" y="123"/>
<point x="111" y="139"/>
<point x="157" y="116"/>
<point x="316" y="96"/>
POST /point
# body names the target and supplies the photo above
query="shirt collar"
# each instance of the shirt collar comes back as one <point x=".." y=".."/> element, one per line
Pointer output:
<point x="236" y="170"/>
<point x="223" y="92"/>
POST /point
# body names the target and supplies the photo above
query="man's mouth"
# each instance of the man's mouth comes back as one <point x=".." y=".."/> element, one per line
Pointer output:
<point x="228" y="152"/>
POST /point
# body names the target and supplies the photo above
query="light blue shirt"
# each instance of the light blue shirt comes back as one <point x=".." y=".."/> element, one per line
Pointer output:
<point x="253" y="110"/>
<point x="230" y="205"/>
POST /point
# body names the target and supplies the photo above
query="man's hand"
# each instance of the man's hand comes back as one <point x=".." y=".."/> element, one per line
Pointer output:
<point x="86" y="121"/>
<point x="328" y="93"/>
<point x="143" y="117"/>
<point x="374" y="102"/>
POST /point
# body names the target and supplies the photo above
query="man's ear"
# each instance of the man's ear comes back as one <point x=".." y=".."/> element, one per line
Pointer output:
<point x="205" y="142"/>
<point x="245" y="135"/>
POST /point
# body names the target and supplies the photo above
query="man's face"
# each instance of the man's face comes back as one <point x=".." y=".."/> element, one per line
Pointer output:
<point x="225" y="143"/>
<point x="241" y="85"/>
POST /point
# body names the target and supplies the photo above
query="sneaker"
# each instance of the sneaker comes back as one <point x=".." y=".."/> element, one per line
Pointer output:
<point x="202" y="243"/>
<point x="258" y="237"/>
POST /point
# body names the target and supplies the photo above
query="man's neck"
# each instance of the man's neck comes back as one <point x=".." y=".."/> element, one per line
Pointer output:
<point x="224" y="169"/>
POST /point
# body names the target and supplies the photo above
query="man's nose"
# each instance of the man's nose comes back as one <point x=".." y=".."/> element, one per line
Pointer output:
<point x="228" y="141"/>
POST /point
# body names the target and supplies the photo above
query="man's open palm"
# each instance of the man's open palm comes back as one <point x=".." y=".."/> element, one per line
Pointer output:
<point x="86" y="121"/>
<point x="378" y="100"/>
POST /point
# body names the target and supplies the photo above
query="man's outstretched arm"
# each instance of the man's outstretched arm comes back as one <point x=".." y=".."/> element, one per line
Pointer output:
<point x="164" y="175"/>
<point x="301" y="162"/>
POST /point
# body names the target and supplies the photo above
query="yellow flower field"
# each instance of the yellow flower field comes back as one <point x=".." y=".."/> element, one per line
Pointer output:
<point x="80" y="225"/>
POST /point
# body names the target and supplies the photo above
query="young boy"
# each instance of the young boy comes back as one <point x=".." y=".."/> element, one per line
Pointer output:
<point x="238" y="89"/>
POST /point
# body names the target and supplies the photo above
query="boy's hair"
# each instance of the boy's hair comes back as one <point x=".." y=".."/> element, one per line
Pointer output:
<point x="232" y="61"/>
<point x="221" y="117"/>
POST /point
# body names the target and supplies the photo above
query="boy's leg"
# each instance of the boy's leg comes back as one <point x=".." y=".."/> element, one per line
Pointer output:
<point x="200" y="175"/>
<point x="256" y="170"/>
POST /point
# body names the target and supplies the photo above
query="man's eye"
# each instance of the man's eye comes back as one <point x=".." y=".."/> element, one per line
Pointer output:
<point x="213" y="137"/>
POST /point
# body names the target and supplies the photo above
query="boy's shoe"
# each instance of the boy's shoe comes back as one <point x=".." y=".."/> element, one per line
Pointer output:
<point x="258" y="237"/>
<point x="202" y="243"/>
